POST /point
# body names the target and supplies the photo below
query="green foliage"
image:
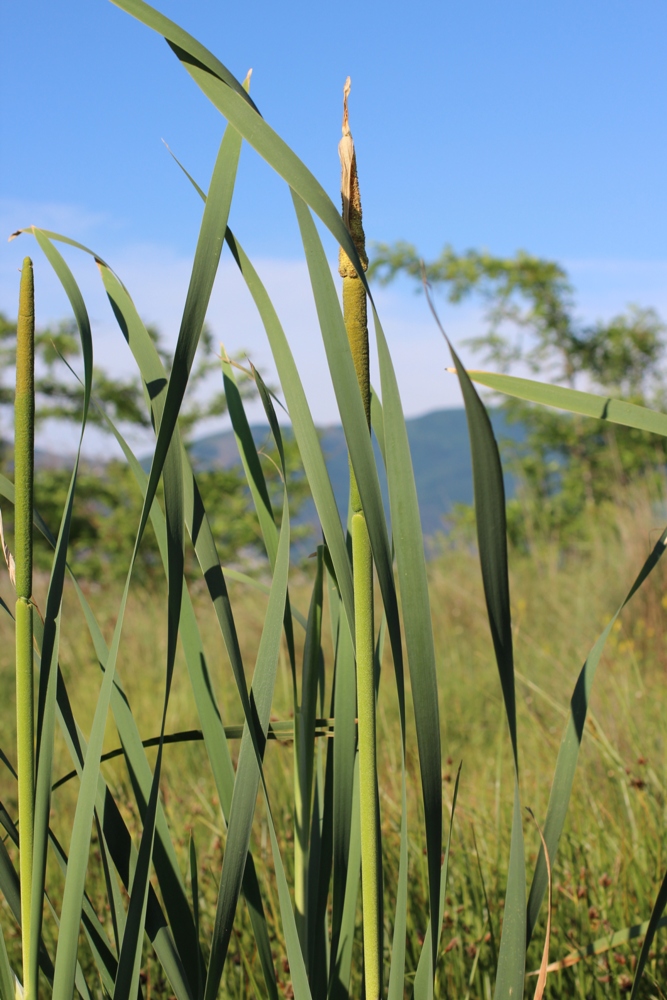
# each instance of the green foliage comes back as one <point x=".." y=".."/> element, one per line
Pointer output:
<point x="119" y="907"/>
<point x="566" y="467"/>
<point x="108" y="502"/>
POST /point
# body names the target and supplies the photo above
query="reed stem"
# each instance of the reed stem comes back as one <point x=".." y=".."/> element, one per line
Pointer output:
<point x="356" y="323"/>
<point x="24" y="446"/>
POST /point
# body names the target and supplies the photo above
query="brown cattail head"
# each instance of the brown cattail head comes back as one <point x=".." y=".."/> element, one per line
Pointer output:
<point x="349" y="189"/>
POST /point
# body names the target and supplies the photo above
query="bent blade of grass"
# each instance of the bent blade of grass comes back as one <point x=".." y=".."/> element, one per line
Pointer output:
<point x="206" y="72"/>
<point x="589" y="404"/>
<point x="568" y="754"/>
<point x="199" y="529"/>
<point x="225" y="92"/>
<point x="65" y="969"/>
<point x="47" y="683"/>
<point x="303" y="426"/>
<point x="66" y="963"/>
<point x="171" y="32"/>
<point x="489" y="492"/>
<point x="204" y="270"/>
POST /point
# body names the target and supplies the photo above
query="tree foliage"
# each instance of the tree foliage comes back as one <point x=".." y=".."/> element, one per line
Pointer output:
<point x="108" y="506"/>
<point x="564" y="465"/>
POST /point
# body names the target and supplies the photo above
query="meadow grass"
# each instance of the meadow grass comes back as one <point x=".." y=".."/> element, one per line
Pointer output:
<point x="615" y="842"/>
<point x="193" y="845"/>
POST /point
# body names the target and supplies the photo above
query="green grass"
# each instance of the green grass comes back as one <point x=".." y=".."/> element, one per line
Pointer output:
<point x="615" y="842"/>
<point x="169" y="872"/>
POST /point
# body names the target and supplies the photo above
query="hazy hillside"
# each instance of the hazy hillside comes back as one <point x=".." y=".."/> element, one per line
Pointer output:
<point x="440" y="454"/>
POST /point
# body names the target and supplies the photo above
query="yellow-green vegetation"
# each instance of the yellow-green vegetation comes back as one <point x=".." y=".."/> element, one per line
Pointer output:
<point x="181" y="847"/>
<point x="616" y="838"/>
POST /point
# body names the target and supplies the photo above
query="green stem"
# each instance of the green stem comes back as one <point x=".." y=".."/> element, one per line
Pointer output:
<point x="24" y="446"/>
<point x="301" y="815"/>
<point x="356" y="323"/>
<point x="371" y="858"/>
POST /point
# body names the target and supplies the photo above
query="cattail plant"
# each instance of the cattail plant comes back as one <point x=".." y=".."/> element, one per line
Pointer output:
<point x="356" y="324"/>
<point x="24" y="446"/>
<point x="335" y="805"/>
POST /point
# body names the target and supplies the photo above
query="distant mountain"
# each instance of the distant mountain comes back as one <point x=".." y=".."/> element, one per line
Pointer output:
<point x="440" y="455"/>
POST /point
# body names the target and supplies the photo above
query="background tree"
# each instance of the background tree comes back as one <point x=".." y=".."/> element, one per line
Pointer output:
<point x="565" y="465"/>
<point x="108" y="505"/>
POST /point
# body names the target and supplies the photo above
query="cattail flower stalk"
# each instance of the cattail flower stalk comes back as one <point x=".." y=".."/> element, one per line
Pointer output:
<point x="24" y="447"/>
<point x="356" y="323"/>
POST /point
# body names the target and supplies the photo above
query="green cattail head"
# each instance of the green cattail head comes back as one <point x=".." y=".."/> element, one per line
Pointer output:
<point x="24" y="432"/>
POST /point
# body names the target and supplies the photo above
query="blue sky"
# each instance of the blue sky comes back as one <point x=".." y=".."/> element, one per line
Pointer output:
<point x="509" y="125"/>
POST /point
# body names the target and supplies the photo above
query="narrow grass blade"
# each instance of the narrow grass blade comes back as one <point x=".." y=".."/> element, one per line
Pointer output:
<point x="303" y="425"/>
<point x="200" y="532"/>
<point x="144" y="783"/>
<point x="227" y="95"/>
<point x="344" y="762"/>
<point x="7" y="978"/>
<point x="46" y="702"/>
<point x="304" y="755"/>
<point x="204" y="270"/>
<point x="341" y="956"/>
<point x="172" y="33"/>
<point x="425" y="975"/>
<point x="489" y="493"/>
<point x="544" y="967"/>
<point x="248" y="769"/>
<point x="122" y="850"/>
<point x="11" y="890"/>
<point x="100" y="946"/>
<point x="589" y="404"/>
<point x="215" y="737"/>
<point x="250" y="461"/>
<point x="653" y="924"/>
<point x="602" y="945"/>
<point x="396" y="988"/>
<point x="407" y="536"/>
<point x="129" y="963"/>
<point x="568" y="754"/>
<point x="256" y="480"/>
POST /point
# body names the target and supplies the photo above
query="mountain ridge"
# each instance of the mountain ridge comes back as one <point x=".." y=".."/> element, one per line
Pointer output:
<point x="440" y="451"/>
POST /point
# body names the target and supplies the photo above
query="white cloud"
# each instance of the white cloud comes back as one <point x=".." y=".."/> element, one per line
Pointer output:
<point x="157" y="278"/>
